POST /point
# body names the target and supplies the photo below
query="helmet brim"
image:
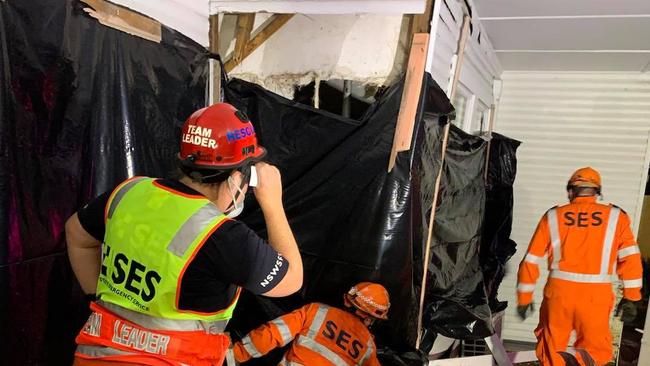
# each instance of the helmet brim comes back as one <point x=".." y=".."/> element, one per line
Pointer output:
<point x="259" y="155"/>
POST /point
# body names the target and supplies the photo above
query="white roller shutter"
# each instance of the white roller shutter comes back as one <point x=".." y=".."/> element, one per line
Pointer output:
<point x="566" y="121"/>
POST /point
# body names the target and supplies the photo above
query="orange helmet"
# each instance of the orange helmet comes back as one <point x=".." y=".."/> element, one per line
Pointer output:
<point x="585" y="177"/>
<point x="219" y="137"/>
<point x="370" y="298"/>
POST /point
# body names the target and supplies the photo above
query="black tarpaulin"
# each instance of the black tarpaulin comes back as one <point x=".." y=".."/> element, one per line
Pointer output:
<point x="456" y="302"/>
<point x="83" y="107"/>
<point x="496" y="246"/>
<point x="353" y="220"/>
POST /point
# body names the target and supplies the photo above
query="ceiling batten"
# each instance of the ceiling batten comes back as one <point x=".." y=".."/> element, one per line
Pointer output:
<point x="580" y="35"/>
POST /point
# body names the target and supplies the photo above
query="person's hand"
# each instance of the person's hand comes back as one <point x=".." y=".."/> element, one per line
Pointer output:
<point x="524" y="311"/>
<point x="269" y="186"/>
<point x="626" y="309"/>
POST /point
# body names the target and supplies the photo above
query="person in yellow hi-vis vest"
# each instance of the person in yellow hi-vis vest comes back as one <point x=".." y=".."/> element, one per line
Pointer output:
<point x="165" y="259"/>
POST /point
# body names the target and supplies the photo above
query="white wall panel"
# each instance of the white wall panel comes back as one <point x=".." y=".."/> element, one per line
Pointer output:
<point x="566" y="121"/>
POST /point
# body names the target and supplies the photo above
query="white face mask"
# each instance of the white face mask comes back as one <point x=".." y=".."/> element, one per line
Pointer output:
<point x="238" y="207"/>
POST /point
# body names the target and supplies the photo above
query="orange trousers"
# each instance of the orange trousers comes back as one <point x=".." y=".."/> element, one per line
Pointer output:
<point x="568" y="306"/>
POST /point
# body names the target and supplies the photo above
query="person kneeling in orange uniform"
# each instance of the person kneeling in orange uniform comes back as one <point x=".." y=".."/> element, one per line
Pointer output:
<point x="321" y="334"/>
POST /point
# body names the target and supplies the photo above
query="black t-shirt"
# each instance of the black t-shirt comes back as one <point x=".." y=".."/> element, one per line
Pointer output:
<point x="232" y="255"/>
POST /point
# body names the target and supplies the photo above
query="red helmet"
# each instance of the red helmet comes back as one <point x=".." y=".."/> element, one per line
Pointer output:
<point x="219" y="137"/>
<point x="370" y="298"/>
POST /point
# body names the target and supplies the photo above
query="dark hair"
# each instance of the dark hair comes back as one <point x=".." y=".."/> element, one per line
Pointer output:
<point x="588" y="191"/>
<point x="203" y="176"/>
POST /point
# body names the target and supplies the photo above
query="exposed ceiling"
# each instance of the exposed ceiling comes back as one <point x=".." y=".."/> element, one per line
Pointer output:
<point x="575" y="35"/>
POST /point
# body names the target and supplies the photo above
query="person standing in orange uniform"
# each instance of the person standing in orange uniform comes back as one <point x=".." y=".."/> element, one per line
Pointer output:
<point x="321" y="334"/>
<point x="585" y="242"/>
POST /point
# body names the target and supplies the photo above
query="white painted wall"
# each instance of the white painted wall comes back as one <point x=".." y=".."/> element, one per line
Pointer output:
<point x="356" y="47"/>
<point x="566" y="121"/>
<point x="480" y="67"/>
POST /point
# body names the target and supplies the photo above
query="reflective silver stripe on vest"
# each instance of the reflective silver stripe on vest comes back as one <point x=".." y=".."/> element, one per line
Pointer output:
<point x="370" y="348"/>
<point x="626" y="252"/>
<point x="250" y="347"/>
<point x="317" y="322"/>
<point x="533" y="259"/>
<point x="101" y="351"/>
<point x="122" y="191"/>
<point x="284" y="331"/>
<point x="581" y="277"/>
<point x="633" y="283"/>
<point x="230" y="357"/>
<point x="609" y="240"/>
<point x="525" y="287"/>
<point x="192" y="228"/>
<point x="553" y="228"/>
<point x="156" y="323"/>
<point x="284" y="362"/>
<point x="327" y="353"/>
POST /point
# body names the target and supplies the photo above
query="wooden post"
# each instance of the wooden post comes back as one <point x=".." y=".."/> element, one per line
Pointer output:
<point x="273" y="25"/>
<point x="419" y="29"/>
<point x="410" y="97"/>
<point x="489" y="143"/>
<point x="124" y="19"/>
<point x="215" y="67"/>
<point x="460" y="52"/>
<point x="243" y="34"/>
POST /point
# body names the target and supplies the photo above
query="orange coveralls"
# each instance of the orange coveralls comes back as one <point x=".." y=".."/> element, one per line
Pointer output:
<point x="585" y="242"/>
<point x="324" y="336"/>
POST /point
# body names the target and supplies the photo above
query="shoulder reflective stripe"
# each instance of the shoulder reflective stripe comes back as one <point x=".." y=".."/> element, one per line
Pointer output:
<point x="626" y="252"/>
<point x="581" y="277"/>
<point x="633" y="283"/>
<point x="317" y="322"/>
<point x="530" y="258"/>
<point x="250" y="347"/>
<point x="192" y="228"/>
<point x="230" y="357"/>
<point x="525" y="287"/>
<point x="284" y="331"/>
<point x="609" y="240"/>
<point x="121" y="192"/>
<point x="554" y="230"/>
<point x="284" y="362"/>
<point x="101" y="351"/>
<point x="370" y="348"/>
<point x="157" y="323"/>
<point x="330" y="355"/>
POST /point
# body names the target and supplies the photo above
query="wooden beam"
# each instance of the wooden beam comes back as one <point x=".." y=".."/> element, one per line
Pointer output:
<point x="123" y="19"/>
<point x="421" y="23"/>
<point x="215" y="67"/>
<point x="410" y="97"/>
<point x="436" y="191"/>
<point x="461" y="56"/>
<point x="243" y="34"/>
<point x="489" y="136"/>
<point x="273" y="25"/>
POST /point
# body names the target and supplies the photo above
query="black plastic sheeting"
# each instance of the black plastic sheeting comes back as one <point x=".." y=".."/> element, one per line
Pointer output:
<point x="456" y="302"/>
<point x="352" y="219"/>
<point x="82" y="107"/>
<point x="85" y="106"/>
<point x="496" y="246"/>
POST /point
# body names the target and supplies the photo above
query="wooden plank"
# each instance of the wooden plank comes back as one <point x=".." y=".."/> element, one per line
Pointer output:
<point x="123" y="19"/>
<point x="273" y="25"/>
<point x="436" y="191"/>
<point x="489" y="136"/>
<point x="215" y="67"/>
<point x="243" y="34"/>
<point x="410" y="96"/>
<point x="421" y="23"/>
